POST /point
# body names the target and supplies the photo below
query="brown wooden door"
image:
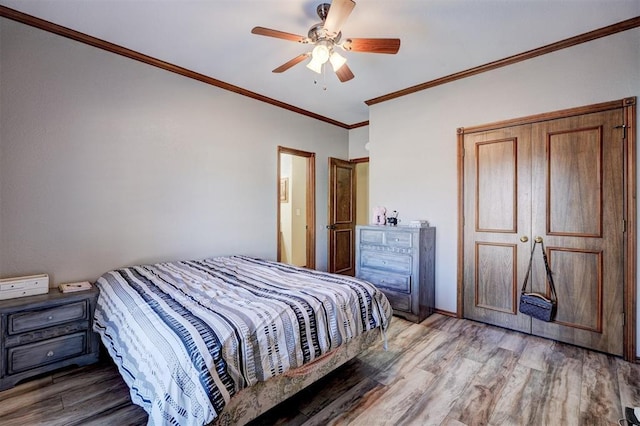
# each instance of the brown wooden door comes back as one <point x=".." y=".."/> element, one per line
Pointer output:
<point x="561" y="180"/>
<point x="578" y="209"/>
<point x="342" y="217"/>
<point x="497" y="188"/>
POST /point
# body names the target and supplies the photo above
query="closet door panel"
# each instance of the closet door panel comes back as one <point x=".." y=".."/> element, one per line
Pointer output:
<point x="497" y="183"/>
<point x="577" y="207"/>
<point x="574" y="176"/>
<point x="579" y="277"/>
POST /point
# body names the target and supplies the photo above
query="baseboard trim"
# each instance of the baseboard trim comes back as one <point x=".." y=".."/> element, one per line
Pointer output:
<point x="445" y="313"/>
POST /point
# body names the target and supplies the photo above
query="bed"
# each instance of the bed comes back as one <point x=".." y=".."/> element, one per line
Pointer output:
<point x="224" y="339"/>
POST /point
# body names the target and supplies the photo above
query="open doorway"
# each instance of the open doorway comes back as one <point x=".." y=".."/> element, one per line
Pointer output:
<point x="362" y="190"/>
<point x="296" y="207"/>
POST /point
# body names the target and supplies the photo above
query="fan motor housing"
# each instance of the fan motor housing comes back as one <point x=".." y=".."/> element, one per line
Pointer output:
<point x="317" y="33"/>
<point x="323" y="10"/>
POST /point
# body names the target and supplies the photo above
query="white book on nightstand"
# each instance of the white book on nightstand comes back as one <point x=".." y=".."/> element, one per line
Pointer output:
<point x="71" y="287"/>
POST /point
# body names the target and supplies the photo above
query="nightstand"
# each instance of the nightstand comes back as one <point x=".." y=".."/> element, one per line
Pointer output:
<point x="42" y="333"/>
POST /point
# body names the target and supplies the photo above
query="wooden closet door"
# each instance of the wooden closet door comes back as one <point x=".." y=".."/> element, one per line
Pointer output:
<point x="577" y="204"/>
<point x="497" y="214"/>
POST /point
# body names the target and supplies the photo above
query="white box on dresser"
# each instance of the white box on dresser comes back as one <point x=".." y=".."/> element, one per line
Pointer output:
<point x="400" y="261"/>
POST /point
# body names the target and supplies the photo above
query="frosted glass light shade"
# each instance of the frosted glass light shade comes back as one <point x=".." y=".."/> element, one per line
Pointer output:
<point x="320" y="53"/>
<point x="315" y="65"/>
<point x="337" y="61"/>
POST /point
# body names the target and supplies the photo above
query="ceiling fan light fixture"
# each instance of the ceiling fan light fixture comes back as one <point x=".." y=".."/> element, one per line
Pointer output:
<point x="321" y="53"/>
<point x="315" y="65"/>
<point x="337" y="61"/>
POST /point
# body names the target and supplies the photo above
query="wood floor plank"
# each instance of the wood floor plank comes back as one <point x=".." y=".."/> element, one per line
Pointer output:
<point x="32" y="414"/>
<point x="30" y="396"/>
<point x="315" y="398"/>
<point x="534" y="353"/>
<point x="563" y="385"/>
<point x="123" y="415"/>
<point x="628" y="383"/>
<point x="520" y="399"/>
<point x="25" y="388"/>
<point x="405" y="364"/>
<point x="433" y="406"/>
<point x="398" y="341"/>
<point x="481" y="342"/>
<point x="599" y="402"/>
<point x="439" y="359"/>
<point x="348" y="405"/>
<point x="514" y="341"/>
<point x="444" y="371"/>
<point x="477" y="402"/>
<point x="393" y="404"/>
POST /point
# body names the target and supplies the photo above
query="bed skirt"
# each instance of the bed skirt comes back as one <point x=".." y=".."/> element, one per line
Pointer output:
<point x="252" y="402"/>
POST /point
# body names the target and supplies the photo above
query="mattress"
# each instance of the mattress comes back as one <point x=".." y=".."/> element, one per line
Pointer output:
<point x="187" y="336"/>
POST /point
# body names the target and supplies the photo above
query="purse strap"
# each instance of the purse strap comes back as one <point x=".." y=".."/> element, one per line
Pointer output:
<point x="554" y="297"/>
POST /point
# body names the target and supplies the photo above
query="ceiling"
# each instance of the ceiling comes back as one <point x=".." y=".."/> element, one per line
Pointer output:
<point x="439" y="38"/>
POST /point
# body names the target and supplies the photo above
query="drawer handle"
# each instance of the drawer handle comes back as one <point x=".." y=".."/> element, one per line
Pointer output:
<point x="50" y="354"/>
<point x="397" y="239"/>
<point x="50" y="317"/>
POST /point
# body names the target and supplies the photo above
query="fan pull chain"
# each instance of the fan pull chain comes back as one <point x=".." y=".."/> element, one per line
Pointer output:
<point x="324" y="79"/>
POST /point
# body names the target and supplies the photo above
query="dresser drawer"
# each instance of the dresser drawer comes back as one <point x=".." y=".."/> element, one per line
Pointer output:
<point x="399" y="301"/>
<point x="394" y="282"/>
<point x="34" y="355"/>
<point x="386" y="237"/>
<point x="33" y="320"/>
<point x="398" y="239"/>
<point x="386" y="261"/>
<point x="372" y="236"/>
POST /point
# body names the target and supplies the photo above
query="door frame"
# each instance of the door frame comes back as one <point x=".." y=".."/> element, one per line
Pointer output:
<point x="630" y="261"/>
<point x="310" y="203"/>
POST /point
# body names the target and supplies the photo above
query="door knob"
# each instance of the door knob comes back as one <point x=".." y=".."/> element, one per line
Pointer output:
<point x="538" y="239"/>
<point x="331" y="227"/>
<point x="524" y="238"/>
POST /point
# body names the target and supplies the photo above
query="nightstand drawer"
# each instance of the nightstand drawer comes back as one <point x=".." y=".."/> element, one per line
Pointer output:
<point x="390" y="262"/>
<point x="33" y="320"/>
<point x="394" y="282"/>
<point x="34" y="355"/>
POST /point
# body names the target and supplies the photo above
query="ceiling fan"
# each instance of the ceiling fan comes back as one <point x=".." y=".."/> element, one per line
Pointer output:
<point x="326" y="36"/>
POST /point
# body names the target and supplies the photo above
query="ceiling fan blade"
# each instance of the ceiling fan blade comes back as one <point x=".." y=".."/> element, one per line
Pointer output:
<point x="372" y="45"/>
<point x="344" y="73"/>
<point x="294" y="61"/>
<point x="338" y="14"/>
<point x="277" y="34"/>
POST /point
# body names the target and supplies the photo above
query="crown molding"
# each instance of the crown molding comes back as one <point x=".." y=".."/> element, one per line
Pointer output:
<point x="32" y="21"/>
<point x="562" y="44"/>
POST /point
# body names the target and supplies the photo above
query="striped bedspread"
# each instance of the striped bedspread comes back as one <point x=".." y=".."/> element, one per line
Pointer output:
<point x="187" y="336"/>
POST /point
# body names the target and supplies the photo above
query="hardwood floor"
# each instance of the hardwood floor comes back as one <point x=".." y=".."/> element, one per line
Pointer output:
<point x="444" y="371"/>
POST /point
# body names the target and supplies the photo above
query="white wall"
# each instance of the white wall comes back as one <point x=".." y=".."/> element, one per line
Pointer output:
<point x="358" y="138"/>
<point x="106" y="162"/>
<point x="413" y="138"/>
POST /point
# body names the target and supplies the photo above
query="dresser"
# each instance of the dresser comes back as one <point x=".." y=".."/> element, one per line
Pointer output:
<point x="46" y="332"/>
<point x="400" y="261"/>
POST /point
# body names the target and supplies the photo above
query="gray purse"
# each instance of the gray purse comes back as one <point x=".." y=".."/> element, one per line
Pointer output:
<point x="537" y="305"/>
